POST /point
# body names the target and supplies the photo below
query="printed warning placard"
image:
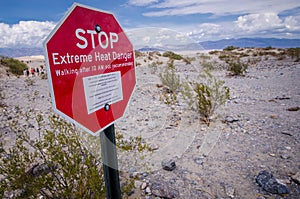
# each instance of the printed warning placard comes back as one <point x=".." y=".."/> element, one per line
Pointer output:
<point x="102" y="89"/>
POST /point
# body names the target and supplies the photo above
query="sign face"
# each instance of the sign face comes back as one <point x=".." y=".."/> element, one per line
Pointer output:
<point x="91" y="68"/>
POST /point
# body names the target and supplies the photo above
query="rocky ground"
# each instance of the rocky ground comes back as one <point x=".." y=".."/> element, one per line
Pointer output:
<point x="258" y="129"/>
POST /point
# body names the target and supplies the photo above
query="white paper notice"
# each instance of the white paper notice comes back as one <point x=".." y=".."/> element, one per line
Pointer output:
<point x="102" y="89"/>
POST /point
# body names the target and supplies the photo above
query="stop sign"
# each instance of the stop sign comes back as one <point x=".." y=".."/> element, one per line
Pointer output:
<point x="91" y="68"/>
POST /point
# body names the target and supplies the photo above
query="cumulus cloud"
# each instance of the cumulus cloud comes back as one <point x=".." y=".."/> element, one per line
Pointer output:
<point x="292" y="23"/>
<point x="157" y="37"/>
<point x="259" y="22"/>
<point x="213" y="31"/>
<point x="271" y="22"/>
<point x="24" y="34"/>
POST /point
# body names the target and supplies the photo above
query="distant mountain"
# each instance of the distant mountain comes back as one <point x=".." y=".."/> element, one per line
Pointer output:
<point x="171" y="41"/>
<point x="20" y="52"/>
<point x="251" y="42"/>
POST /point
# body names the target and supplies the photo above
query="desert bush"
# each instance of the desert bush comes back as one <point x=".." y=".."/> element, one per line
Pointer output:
<point x="153" y="67"/>
<point x="294" y="53"/>
<point x="138" y="53"/>
<point x="230" y="48"/>
<point x="16" y="67"/>
<point x="159" y="62"/>
<point x="225" y="57"/>
<point x="44" y="76"/>
<point x="188" y="60"/>
<point x="203" y="56"/>
<point x="172" y="55"/>
<point x="214" y="52"/>
<point x="2" y="97"/>
<point x="269" y="48"/>
<point x="55" y="164"/>
<point x="51" y="158"/>
<point x="205" y="97"/>
<point x="133" y="143"/>
<point x="207" y="65"/>
<point x="171" y="79"/>
<point x="236" y="67"/>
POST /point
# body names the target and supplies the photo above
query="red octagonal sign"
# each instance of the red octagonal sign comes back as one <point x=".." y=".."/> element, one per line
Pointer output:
<point x="91" y="68"/>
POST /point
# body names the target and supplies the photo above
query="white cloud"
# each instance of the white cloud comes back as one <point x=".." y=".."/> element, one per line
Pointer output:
<point x="268" y="22"/>
<point x="157" y="37"/>
<point x="259" y="22"/>
<point x="292" y="23"/>
<point x="141" y="2"/>
<point x="24" y="34"/>
<point x="219" y="7"/>
<point x="212" y="31"/>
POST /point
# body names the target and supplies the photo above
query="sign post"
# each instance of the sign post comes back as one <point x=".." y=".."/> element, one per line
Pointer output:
<point x="91" y="72"/>
<point x="110" y="163"/>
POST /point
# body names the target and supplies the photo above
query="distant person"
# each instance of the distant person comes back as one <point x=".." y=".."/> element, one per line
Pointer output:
<point x="27" y="73"/>
<point x="42" y="69"/>
<point x="32" y="71"/>
<point x="37" y="71"/>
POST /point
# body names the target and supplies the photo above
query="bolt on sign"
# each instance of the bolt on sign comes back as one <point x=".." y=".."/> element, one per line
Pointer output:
<point x="91" y="68"/>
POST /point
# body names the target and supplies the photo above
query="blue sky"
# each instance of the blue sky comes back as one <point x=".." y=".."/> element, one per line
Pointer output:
<point x="27" y="23"/>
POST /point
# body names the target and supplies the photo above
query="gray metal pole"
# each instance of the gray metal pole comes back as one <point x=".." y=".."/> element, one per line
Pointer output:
<point x="110" y="163"/>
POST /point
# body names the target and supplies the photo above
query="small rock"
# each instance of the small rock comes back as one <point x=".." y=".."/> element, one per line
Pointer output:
<point x="274" y="116"/>
<point x="269" y="183"/>
<point x="154" y="147"/>
<point x="296" y="177"/>
<point x="198" y="160"/>
<point x="282" y="97"/>
<point x="143" y="185"/>
<point x="288" y="148"/>
<point x="296" y="108"/>
<point x="138" y="184"/>
<point x="163" y="190"/>
<point x="168" y="164"/>
<point x="230" y="119"/>
<point x="229" y="191"/>
<point x="285" y="156"/>
<point x="148" y="191"/>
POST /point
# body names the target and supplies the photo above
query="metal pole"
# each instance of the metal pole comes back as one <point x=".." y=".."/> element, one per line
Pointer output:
<point x="110" y="163"/>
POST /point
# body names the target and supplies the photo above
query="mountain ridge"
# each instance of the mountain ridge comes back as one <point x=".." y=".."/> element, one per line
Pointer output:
<point x="205" y="45"/>
<point x="251" y="42"/>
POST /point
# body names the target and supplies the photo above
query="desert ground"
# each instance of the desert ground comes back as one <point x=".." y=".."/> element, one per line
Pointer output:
<point x="257" y="129"/>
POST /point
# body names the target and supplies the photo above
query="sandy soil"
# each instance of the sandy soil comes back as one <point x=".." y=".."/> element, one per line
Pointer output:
<point x="254" y="131"/>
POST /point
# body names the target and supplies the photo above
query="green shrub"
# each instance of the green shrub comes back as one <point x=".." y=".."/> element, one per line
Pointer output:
<point x="205" y="97"/>
<point x="138" y="53"/>
<point x="153" y="67"/>
<point x="16" y="67"/>
<point x="230" y="48"/>
<point x="172" y="55"/>
<point x="55" y="164"/>
<point x="236" y="67"/>
<point x="188" y="60"/>
<point x="171" y="79"/>
<point x="52" y="159"/>
<point x="294" y="53"/>
<point x="2" y="97"/>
